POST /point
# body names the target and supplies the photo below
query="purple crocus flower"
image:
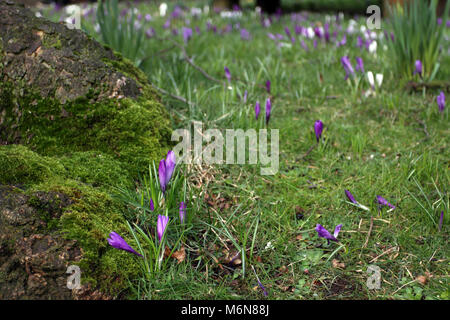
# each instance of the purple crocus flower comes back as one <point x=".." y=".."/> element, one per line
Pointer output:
<point x="161" y="225"/>
<point x="318" y="128"/>
<point x="271" y="36"/>
<point x="327" y="32"/>
<point x="116" y="241"/>
<point x="167" y="24"/>
<point x="228" y="74"/>
<point x="441" y="101"/>
<point x="152" y="205"/>
<point x="268" y="110"/>
<point x="245" y="35"/>
<point x="324" y="233"/>
<point x="441" y="220"/>
<point x="187" y="34"/>
<point x="148" y="17"/>
<point x="318" y="32"/>
<point x="257" y="110"/>
<point x="268" y="86"/>
<point x="347" y="67"/>
<point x="350" y="197"/>
<point x="383" y="202"/>
<point x="150" y="32"/>
<point x="287" y="31"/>
<point x="304" y="45"/>
<point x="182" y="212"/>
<point x="419" y="68"/>
<point x="262" y="288"/>
<point x="245" y="96"/>
<point x="359" y="64"/>
<point x="165" y="170"/>
<point x="359" y="42"/>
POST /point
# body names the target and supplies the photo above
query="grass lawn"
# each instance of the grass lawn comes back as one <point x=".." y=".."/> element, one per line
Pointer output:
<point x="393" y="143"/>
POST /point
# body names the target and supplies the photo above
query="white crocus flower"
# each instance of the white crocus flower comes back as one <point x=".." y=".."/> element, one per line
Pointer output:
<point x="310" y="32"/>
<point x="379" y="78"/>
<point x="163" y="9"/>
<point x="373" y="47"/>
<point x="371" y="79"/>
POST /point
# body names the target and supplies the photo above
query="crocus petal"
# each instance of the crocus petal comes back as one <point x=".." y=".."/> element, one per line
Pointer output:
<point x="379" y="78"/>
<point x="182" y="212"/>
<point x="162" y="175"/>
<point x="257" y="110"/>
<point x="268" y="110"/>
<point x="318" y="128"/>
<point x="268" y="86"/>
<point x="227" y="74"/>
<point x="161" y="225"/>
<point x="263" y="288"/>
<point x="371" y="79"/>
<point x="337" y="230"/>
<point x="324" y="233"/>
<point x="116" y="241"/>
<point x="419" y="68"/>
<point x="441" y="101"/>
<point x="382" y="201"/>
<point x="152" y="205"/>
<point x="350" y="197"/>
<point x="359" y="64"/>
<point x="441" y="220"/>
<point x="170" y="165"/>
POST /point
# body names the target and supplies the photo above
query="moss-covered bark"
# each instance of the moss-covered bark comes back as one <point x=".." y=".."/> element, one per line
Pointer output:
<point x="61" y="92"/>
<point x="76" y="120"/>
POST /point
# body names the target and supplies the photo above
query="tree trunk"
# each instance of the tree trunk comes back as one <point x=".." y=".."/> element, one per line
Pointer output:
<point x="73" y="115"/>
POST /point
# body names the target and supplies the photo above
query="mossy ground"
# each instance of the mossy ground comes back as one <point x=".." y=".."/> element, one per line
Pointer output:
<point x="92" y="214"/>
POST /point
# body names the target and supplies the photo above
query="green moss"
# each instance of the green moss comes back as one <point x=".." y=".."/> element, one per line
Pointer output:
<point x="131" y="131"/>
<point x="20" y="165"/>
<point x="89" y="220"/>
<point x="96" y="169"/>
<point x="51" y="41"/>
<point x="91" y="215"/>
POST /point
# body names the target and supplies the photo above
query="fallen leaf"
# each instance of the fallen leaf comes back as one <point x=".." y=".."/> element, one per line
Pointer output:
<point x="180" y="255"/>
<point x="336" y="264"/>
<point x="422" y="279"/>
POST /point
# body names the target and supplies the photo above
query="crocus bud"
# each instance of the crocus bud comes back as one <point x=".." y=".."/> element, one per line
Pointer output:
<point x="318" y="128"/>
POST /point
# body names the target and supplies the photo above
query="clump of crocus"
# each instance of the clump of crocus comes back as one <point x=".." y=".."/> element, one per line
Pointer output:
<point x="116" y="241"/>
<point x="324" y="233"/>
<point x="352" y="199"/>
<point x="318" y="128"/>
<point x="441" y="101"/>
<point x="161" y="225"/>
<point x="268" y="110"/>
<point x="182" y="212"/>
<point x="257" y="109"/>
<point x="228" y="74"/>
<point x="165" y="171"/>
<point x="347" y="67"/>
<point x="383" y="202"/>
